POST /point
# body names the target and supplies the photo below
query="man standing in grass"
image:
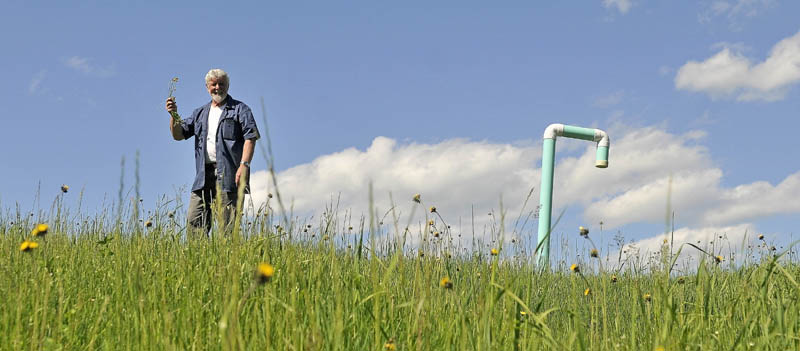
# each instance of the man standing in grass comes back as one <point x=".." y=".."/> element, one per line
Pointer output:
<point x="225" y="135"/>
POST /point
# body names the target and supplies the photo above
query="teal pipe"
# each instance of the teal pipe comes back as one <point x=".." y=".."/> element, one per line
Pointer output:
<point x="548" y="165"/>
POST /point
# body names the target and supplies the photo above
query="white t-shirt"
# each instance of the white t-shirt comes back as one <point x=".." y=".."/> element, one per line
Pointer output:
<point x="211" y="138"/>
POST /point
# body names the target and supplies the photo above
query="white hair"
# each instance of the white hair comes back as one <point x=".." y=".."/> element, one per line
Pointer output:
<point x="217" y="73"/>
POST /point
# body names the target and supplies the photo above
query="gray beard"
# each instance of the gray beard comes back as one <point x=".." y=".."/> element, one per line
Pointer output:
<point x="218" y="98"/>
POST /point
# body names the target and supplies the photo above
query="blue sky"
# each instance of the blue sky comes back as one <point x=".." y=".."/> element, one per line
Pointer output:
<point x="89" y="82"/>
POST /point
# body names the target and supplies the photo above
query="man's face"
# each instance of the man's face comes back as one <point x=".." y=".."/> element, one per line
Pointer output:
<point x="217" y="89"/>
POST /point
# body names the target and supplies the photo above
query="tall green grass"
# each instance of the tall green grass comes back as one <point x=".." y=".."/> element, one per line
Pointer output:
<point x="110" y="282"/>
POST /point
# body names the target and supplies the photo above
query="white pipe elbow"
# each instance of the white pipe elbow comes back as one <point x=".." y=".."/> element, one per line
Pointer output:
<point x="554" y="130"/>
<point x="601" y="138"/>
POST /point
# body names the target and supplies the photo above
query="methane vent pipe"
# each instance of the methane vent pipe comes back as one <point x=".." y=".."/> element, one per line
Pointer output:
<point x="546" y="190"/>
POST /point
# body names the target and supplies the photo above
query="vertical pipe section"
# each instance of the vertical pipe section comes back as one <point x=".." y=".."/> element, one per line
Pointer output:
<point x="546" y="201"/>
<point x="548" y="165"/>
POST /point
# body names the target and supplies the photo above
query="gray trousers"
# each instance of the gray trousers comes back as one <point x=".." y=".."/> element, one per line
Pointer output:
<point x="203" y="207"/>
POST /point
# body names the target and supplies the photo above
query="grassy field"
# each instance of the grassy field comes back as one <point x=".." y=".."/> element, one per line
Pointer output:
<point x="97" y="283"/>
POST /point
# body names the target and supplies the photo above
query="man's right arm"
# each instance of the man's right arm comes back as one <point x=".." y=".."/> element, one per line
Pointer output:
<point x="174" y="125"/>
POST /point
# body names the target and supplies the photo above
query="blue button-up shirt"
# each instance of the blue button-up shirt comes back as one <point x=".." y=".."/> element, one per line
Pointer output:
<point x="236" y="124"/>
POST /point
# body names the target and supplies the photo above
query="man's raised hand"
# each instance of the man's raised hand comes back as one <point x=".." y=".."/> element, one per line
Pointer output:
<point x="172" y="106"/>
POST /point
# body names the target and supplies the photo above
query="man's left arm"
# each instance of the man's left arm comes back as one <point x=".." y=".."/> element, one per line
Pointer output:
<point x="247" y="157"/>
<point x="250" y="134"/>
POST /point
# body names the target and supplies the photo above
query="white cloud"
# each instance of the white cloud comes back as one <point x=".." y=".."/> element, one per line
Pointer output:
<point x="734" y="11"/>
<point x="724" y="241"/>
<point x="728" y="73"/>
<point x="623" y="6"/>
<point x="610" y="100"/>
<point x="462" y="177"/>
<point x="453" y="175"/>
<point x="83" y="65"/>
<point x="36" y="82"/>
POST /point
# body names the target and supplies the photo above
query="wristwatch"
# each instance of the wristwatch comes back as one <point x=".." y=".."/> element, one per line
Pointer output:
<point x="245" y="163"/>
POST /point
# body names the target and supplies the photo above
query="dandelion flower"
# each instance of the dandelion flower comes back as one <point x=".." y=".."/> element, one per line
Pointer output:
<point x="584" y="232"/>
<point x="446" y="283"/>
<point x="433" y="209"/>
<point x="594" y="253"/>
<point x="494" y="252"/>
<point x="28" y="246"/>
<point x="760" y="236"/>
<point x="264" y="273"/>
<point x="587" y="292"/>
<point x="40" y="230"/>
<point x="64" y="188"/>
<point x="647" y="297"/>
<point x="575" y="268"/>
<point x="389" y="345"/>
<point x="417" y="198"/>
<point x="718" y="259"/>
<point x="613" y="278"/>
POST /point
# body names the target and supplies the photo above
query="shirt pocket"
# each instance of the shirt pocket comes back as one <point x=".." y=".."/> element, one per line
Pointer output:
<point x="228" y="128"/>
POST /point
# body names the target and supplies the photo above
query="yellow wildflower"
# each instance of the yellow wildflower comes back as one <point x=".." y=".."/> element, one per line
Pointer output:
<point x="594" y="253"/>
<point x="389" y="345"/>
<point x="587" y="292"/>
<point x="264" y="273"/>
<point x="417" y="198"/>
<point x="40" y="230"/>
<point x="647" y="297"/>
<point x="148" y="224"/>
<point x="659" y="348"/>
<point x="446" y="283"/>
<point x="64" y="188"/>
<point x="494" y="252"/>
<point x="435" y="234"/>
<point x="760" y="236"/>
<point x="718" y="259"/>
<point x="613" y="278"/>
<point x="28" y="246"/>
<point x="575" y="268"/>
<point x="433" y="209"/>
<point x="584" y="232"/>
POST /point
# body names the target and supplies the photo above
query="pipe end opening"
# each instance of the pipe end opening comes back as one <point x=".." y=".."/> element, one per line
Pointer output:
<point x="601" y="164"/>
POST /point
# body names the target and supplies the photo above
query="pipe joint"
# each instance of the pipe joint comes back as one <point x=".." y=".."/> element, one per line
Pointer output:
<point x="554" y="130"/>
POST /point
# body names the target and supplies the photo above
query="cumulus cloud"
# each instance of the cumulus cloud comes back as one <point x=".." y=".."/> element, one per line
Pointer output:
<point x="623" y="6"/>
<point x="454" y="175"/>
<point x="728" y="73"/>
<point x="83" y="65"/>
<point x="726" y="241"/>
<point x="463" y="178"/>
